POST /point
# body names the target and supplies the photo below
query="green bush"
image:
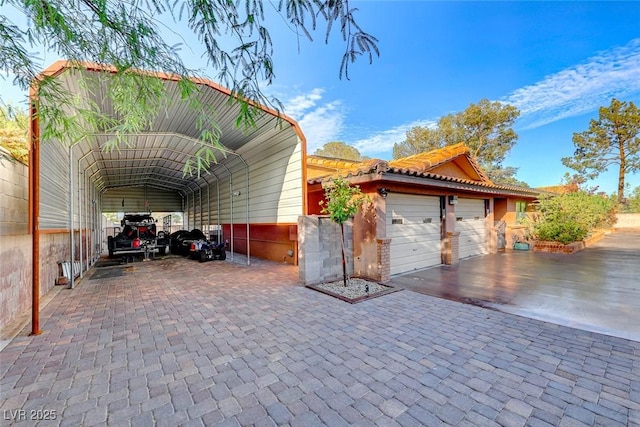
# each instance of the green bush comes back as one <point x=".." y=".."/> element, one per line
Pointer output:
<point x="570" y="217"/>
<point x="564" y="232"/>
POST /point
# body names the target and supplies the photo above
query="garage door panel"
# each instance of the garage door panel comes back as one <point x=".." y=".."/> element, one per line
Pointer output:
<point x="470" y="222"/>
<point x="413" y="224"/>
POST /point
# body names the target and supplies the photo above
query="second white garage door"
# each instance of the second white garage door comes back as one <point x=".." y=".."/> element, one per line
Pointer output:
<point x="471" y="225"/>
<point x="413" y="224"/>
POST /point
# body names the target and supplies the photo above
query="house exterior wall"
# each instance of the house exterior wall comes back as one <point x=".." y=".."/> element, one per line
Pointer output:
<point x="366" y="247"/>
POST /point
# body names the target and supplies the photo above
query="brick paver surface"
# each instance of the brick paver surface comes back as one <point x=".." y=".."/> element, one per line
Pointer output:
<point x="176" y="342"/>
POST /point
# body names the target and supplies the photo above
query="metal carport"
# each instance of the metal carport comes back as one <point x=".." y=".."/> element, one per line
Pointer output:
<point x="257" y="187"/>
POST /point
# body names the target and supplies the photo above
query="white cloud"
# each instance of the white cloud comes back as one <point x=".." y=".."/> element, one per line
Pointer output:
<point x="581" y="88"/>
<point x="382" y="142"/>
<point x="321" y="122"/>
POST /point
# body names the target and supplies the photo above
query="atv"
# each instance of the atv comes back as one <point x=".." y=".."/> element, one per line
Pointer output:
<point x="210" y="251"/>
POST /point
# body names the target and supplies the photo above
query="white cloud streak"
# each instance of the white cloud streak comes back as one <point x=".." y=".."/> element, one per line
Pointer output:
<point x="382" y="142"/>
<point x="320" y="122"/>
<point x="581" y="88"/>
<point x="571" y="92"/>
<point x="323" y="122"/>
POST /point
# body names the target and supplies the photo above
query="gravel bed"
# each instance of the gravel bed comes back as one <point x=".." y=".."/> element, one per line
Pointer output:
<point x="355" y="288"/>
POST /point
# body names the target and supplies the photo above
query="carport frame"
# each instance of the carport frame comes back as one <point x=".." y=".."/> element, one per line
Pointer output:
<point x="60" y="67"/>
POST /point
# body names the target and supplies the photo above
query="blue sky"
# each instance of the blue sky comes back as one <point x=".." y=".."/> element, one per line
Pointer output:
<point x="558" y="62"/>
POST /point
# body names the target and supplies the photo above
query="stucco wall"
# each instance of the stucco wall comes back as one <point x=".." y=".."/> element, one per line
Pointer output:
<point x="15" y="242"/>
<point x="319" y="249"/>
<point x="628" y="220"/>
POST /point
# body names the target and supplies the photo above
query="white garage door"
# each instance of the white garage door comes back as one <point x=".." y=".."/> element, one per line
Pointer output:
<point x="471" y="225"/>
<point x="413" y="224"/>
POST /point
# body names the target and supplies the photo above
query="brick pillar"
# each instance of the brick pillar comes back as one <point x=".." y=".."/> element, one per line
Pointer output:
<point x="451" y="248"/>
<point x="384" y="260"/>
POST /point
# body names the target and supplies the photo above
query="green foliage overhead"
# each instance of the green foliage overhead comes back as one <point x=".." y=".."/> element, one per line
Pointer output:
<point x="340" y="150"/>
<point x="234" y="36"/>
<point x="570" y="217"/>
<point x="14" y="133"/>
<point x="613" y="139"/>
<point x="486" y="128"/>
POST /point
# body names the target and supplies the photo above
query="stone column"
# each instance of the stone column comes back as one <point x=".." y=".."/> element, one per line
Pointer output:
<point x="452" y="248"/>
<point x="384" y="260"/>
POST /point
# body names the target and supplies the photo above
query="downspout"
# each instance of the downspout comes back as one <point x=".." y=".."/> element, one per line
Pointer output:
<point x="34" y="201"/>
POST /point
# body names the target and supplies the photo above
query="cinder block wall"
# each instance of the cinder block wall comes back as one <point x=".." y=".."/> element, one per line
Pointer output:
<point x="319" y="249"/>
<point x="15" y="240"/>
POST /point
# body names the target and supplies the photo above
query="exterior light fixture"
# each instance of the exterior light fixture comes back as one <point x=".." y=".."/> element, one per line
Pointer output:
<point x="453" y="200"/>
<point x="383" y="192"/>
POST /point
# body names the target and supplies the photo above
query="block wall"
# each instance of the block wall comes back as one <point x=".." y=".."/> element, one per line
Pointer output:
<point x="15" y="240"/>
<point x="319" y="249"/>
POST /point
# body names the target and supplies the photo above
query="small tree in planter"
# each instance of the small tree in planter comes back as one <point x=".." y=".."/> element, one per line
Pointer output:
<point x="342" y="203"/>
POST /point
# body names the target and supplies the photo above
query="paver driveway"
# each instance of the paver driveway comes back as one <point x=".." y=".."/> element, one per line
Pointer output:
<point x="175" y="342"/>
<point x="597" y="289"/>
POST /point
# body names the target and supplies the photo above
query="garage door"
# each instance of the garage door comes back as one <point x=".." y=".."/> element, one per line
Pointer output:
<point x="413" y="224"/>
<point x="471" y="225"/>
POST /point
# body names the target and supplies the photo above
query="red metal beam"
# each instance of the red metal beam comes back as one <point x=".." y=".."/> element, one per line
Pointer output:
<point x="34" y="205"/>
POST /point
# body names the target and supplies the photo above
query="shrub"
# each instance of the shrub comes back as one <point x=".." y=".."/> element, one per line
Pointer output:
<point x="570" y="217"/>
<point x="564" y="232"/>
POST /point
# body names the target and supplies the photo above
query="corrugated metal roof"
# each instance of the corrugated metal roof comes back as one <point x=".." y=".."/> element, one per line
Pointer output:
<point x="156" y="158"/>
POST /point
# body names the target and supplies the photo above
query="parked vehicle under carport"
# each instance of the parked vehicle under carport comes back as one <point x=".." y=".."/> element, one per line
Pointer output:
<point x="139" y="236"/>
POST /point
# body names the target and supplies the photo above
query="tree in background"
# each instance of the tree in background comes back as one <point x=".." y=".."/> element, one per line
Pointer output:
<point x="340" y="150"/>
<point x="342" y="203"/>
<point x="14" y="133"/>
<point x="613" y="139"/>
<point x="632" y="204"/>
<point x="234" y="38"/>
<point x="486" y="128"/>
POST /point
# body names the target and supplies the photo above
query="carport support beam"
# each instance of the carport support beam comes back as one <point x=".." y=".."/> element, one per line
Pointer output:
<point x="72" y="252"/>
<point x="34" y="202"/>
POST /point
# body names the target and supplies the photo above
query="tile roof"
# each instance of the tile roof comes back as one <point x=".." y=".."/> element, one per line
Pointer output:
<point x="420" y="165"/>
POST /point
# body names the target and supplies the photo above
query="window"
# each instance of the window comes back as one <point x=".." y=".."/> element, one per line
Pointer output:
<point x="521" y="209"/>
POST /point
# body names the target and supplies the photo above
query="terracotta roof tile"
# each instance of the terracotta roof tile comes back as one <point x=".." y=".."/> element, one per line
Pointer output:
<point x="422" y="164"/>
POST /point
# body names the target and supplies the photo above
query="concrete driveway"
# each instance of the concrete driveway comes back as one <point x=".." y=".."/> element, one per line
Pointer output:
<point x="597" y="289"/>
